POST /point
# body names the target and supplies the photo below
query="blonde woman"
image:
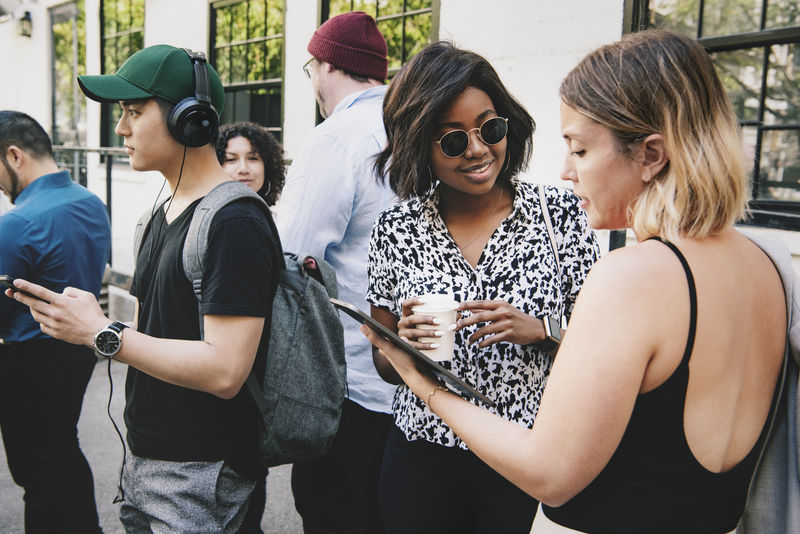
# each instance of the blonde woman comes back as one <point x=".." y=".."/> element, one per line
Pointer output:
<point x="656" y="407"/>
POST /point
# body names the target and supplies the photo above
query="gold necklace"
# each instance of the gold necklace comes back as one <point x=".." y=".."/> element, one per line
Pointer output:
<point x="488" y="220"/>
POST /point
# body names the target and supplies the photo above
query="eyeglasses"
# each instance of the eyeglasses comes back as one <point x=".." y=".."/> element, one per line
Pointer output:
<point x="307" y="68"/>
<point x="455" y="142"/>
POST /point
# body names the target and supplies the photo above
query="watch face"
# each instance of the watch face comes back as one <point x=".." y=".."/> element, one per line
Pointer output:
<point x="555" y="328"/>
<point x="107" y="342"/>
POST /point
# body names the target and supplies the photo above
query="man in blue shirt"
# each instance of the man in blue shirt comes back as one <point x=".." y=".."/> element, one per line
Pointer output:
<point x="328" y="206"/>
<point x="58" y="235"/>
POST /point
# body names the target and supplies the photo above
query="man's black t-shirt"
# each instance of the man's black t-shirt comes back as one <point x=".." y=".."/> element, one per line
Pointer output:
<point x="169" y="422"/>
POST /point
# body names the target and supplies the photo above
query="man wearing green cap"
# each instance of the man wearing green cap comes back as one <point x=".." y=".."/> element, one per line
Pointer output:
<point x="191" y="425"/>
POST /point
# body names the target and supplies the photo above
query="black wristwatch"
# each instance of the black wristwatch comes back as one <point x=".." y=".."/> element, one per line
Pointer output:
<point x="552" y="334"/>
<point x="108" y="341"/>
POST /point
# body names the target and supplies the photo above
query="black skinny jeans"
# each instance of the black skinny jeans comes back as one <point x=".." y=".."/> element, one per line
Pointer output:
<point x="42" y="383"/>
<point x="430" y="489"/>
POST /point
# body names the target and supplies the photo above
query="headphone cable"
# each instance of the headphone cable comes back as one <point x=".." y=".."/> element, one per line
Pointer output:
<point x="120" y="497"/>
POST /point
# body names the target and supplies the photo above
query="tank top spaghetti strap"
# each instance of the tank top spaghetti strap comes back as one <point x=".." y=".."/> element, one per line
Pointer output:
<point x="653" y="483"/>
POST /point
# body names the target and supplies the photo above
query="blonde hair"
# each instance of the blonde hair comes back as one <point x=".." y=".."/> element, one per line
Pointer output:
<point x="657" y="82"/>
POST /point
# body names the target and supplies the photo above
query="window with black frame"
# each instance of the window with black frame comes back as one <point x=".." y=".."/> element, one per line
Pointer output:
<point x="407" y="25"/>
<point x="122" y="34"/>
<point x="247" y="50"/>
<point x="68" y="34"/>
<point x="755" y="45"/>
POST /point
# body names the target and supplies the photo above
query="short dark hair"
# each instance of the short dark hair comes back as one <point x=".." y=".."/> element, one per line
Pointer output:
<point x="415" y="102"/>
<point x="265" y="144"/>
<point x="21" y="130"/>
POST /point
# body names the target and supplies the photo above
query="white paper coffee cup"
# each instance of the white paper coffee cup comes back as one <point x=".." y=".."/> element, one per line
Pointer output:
<point x="443" y="307"/>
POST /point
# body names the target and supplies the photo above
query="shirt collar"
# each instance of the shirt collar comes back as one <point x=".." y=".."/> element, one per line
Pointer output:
<point x="54" y="180"/>
<point x="352" y="98"/>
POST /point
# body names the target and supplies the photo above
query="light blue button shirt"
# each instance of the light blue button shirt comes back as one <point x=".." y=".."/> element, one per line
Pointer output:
<point x="327" y="208"/>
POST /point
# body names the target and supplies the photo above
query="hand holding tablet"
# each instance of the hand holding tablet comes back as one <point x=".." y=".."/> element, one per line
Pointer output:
<point x="448" y="377"/>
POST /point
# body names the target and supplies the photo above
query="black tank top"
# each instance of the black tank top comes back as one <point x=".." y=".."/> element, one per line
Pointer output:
<point x="653" y="483"/>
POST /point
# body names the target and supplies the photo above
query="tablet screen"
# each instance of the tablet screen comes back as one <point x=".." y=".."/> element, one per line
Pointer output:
<point x="448" y="377"/>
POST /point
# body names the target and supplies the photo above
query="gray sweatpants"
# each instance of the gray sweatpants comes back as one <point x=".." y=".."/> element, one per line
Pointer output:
<point x="182" y="497"/>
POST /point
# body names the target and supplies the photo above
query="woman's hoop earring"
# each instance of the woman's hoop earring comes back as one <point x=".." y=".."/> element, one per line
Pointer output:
<point x="505" y="163"/>
<point x="269" y="187"/>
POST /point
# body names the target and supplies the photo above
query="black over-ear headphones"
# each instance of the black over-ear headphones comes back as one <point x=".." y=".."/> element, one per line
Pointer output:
<point x="193" y="121"/>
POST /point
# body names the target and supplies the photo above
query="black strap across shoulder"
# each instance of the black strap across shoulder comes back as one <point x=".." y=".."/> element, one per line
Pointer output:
<point x="692" y="300"/>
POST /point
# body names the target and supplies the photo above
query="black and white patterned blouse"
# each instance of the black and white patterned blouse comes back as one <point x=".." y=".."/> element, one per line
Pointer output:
<point x="411" y="253"/>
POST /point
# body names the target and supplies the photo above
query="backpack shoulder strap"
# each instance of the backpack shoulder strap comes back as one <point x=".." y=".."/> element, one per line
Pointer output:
<point x="141" y="228"/>
<point x="196" y="244"/>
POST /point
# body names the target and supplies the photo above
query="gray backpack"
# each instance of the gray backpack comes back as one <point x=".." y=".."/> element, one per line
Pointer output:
<point x="301" y="390"/>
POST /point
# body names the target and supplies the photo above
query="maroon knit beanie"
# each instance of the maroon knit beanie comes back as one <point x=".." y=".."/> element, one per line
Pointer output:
<point x="352" y="42"/>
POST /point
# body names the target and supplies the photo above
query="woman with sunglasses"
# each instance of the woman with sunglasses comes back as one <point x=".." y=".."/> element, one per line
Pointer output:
<point x="467" y="226"/>
<point x="660" y="399"/>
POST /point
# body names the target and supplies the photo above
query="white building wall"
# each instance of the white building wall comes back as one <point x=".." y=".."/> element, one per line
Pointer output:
<point x="533" y="44"/>
<point x="25" y="65"/>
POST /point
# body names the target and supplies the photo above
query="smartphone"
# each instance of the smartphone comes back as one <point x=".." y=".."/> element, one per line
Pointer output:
<point x="7" y="282"/>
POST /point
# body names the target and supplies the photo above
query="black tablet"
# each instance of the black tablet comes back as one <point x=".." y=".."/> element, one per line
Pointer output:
<point x="448" y="377"/>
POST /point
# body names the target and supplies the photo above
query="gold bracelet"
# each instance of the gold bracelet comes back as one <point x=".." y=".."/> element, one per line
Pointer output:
<point x="433" y="392"/>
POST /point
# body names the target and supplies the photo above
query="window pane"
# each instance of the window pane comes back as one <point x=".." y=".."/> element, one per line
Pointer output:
<point x="389" y="7"/>
<point x="239" y="63"/>
<point x="223" y="23"/>
<point x="69" y="105"/>
<point x="392" y="31"/>
<point x="725" y="17"/>
<point x="780" y="165"/>
<point x="740" y="72"/>
<point x="258" y="105"/>
<point x="257" y="15"/>
<point x="239" y="22"/>
<point x="749" y="134"/>
<point x="137" y="14"/>
<point x="275" y="58"/>
<point x="109" y="20"/>
<point x="337" y="7"/>
<point x="783" y="85"/>
<point x="418" y="4"/>
<point x="257" y="61"/>
<point x="418" y="31"/>
<point x="679" y="16"/>
<point x="275" y="17"/>
<point x="223" y="65"/>
<point x="367" y="6"/>
<point x="782" y="13"/>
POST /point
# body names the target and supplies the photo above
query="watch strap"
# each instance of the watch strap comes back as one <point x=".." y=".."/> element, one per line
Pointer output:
<point x="117" y="326"/>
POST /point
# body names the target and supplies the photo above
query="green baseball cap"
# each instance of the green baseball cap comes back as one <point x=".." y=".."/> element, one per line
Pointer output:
<point x="159" y="70"/>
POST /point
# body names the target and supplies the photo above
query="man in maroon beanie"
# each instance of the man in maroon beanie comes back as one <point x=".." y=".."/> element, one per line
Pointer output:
<point x="328" y="207"/>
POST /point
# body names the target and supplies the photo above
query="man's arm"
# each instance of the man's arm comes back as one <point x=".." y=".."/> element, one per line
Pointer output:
<point x="218" y="365"/>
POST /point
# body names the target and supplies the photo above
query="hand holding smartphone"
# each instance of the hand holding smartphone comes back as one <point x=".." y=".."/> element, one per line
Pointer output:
<point x="7" y="282"/>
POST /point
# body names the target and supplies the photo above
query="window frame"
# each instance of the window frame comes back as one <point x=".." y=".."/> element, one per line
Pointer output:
<point x="106" y="131"/>
<point x="231" y="88"/>
<point x="769" y="213"/>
